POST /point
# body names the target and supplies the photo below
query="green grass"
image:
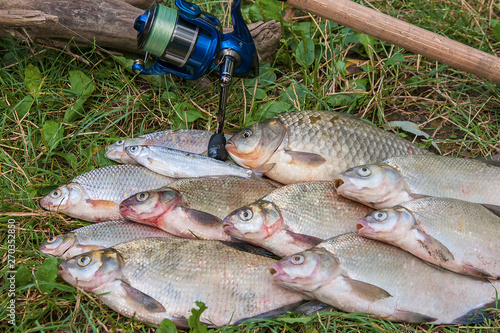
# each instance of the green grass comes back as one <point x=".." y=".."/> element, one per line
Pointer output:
<point x="45" y="143"/>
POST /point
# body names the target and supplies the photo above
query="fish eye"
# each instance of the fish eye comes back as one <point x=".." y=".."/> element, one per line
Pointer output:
<point x="246" y="214"/>
<point x="52" y="239"/>
<point x="142" y="196"/>
<point x="83" y="261"/>
<point x="247" y="133"/>
<point x="364" y="172"/>
<point x="297" y="259"/>
<point x="120" y="142"/>
<point x="133" y="149"/>
<point x="380" y="216"/>
<point x="55" y="194"/>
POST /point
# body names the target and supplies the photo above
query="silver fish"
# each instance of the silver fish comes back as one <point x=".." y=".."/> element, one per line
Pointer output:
<point x="188" y="140"/>
<point x="313" y="145"/>
<point x="194" y="207"/>
<point x="357" y="274"/>
<point x="98" y="236"/>
<point x="458" y="235"/>
<point x="152" y="279"/>
<point x="400" y="179"/>
<point x="295" y="217"/>
<point x="179" y="164"/>
<point x="95" y="195"/>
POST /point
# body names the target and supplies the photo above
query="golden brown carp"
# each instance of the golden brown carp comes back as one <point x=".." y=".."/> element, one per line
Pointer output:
<point x="314" y="145"/>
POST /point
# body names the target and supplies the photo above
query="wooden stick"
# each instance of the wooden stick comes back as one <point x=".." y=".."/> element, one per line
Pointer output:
<point x="405" y="35"/>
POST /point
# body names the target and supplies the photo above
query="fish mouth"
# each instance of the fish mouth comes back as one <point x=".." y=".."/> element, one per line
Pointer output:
<point x="230" y="146"/>
<point x="338" y="182"/>
<point x="363" y="227"/>
<point x="276" y="271"/>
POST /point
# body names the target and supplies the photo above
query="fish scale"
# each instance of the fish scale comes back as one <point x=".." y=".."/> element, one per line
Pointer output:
<point x="118" y="182"/>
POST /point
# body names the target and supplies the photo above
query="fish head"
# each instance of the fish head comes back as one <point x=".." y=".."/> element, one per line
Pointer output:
<point x="116" y="151"/>
<point x="369" y="184"/>
<point x="147" y="207"/>
<point x="387" y="225"/>
<point x="254" y="145"/>
<point x="306" y="271"/>
<point x="257" y="221"/>
<point x="92" y="269"/>
<point x="64" y="197"/>
<point x="58" y="245"/>
<point x="136" y="152"/>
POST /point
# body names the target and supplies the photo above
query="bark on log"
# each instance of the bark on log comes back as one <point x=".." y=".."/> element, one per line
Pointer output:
<point x="105" y="23"/>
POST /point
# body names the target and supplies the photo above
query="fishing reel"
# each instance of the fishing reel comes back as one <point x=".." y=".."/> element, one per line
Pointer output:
<point x="188" y="43"/>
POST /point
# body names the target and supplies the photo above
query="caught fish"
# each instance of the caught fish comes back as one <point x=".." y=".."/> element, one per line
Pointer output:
<point x="98" y="236"/>
<point x="313" y="145"/>
<point x="194" y="207"/>
<point x="188" y="140"/>
<point x="295" y="217"/>
<point x="357" y="274"/>
<point x="400" y="179"/>
<point x="179" y="164"/>
<point x="95" y="195"/>
<point x="458" y="235"/>
<point x="153" y="279"/>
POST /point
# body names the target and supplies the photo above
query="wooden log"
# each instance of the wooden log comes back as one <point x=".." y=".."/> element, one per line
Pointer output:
<point x="104" y="23"/>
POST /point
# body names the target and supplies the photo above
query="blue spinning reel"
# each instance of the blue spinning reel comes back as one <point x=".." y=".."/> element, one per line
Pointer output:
<point x="188" y="43"/>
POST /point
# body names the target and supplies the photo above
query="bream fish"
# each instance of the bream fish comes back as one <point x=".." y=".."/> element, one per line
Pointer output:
<point x="295" y="217"/>
<point x="153" y="279"/>
<point x="458" y="235"/>
<point x="194" y="207"/>
<point x="313" y="145"/>
<point x="95" y="195"/>
<point x="357" y="274"/>
<point x="98" y="236"/>
<point x="179" y="164"/>
<point x="400" y="179"/>
<point x="188" y="140"/>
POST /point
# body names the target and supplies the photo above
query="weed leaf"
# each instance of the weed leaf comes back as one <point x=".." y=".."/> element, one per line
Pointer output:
<point x="195" y="326"/>
<point x="395" y="59"/>
<point x="305" y="52"/>
<point x="24" y="106"/>
<point x="52" y="133"/>
<point x="495" y="24"/>
<point x="167" y="326"/>
<point x="32" y="78"/>
<point x="23" y="276"/>
<point x="413" y="128"/>
<point x="46" y="275"/>
<point x="81" y="85"/>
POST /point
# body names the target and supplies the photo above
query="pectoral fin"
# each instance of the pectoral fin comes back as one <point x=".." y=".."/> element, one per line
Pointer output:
<point x="140" y="299"/>
<point x="202" y="218"/>
<point x="367" y="291"/>
<point x="411" y="317"/>
<point x="302" y="240"/>
<point x="493" y="208"/>
<point x="477" y="272"/>
<point x="434" y="248"/>
<point x="305" y="159"/>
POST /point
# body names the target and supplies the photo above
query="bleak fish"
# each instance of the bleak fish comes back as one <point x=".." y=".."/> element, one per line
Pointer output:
<point x="400" y="179"/>
<point x="153" y="279"/>
<point x="295" y="217"/>
<point x="313" y="145"/>
<point x="179" y="164"/>
<point x="194" y="207"/>
<point x="188" y="140"/>
<point x="98" y="236"/>
<point x="95" y="195"/>
<point x="458" y="235"/>
<point x="357" y="274"/>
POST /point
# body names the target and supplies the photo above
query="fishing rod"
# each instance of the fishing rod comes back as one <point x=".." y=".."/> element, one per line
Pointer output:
<point x="187" y="43"/>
